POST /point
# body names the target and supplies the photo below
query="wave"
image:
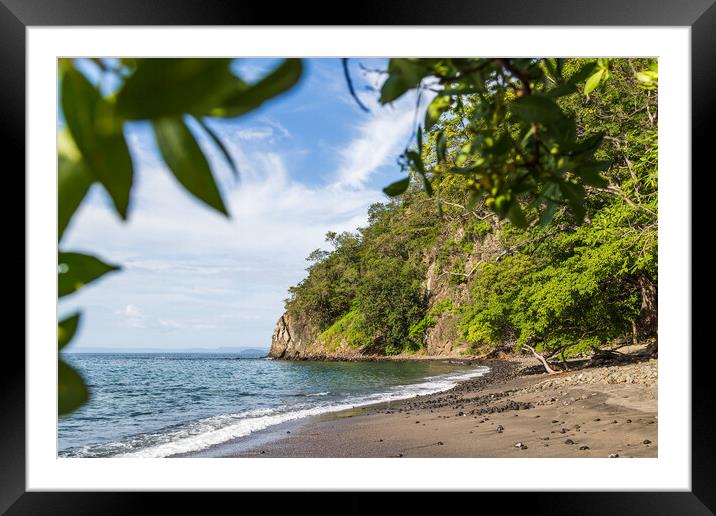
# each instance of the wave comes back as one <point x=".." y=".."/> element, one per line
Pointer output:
<point x="309" y="394"/>
<point x="205" y="433"/>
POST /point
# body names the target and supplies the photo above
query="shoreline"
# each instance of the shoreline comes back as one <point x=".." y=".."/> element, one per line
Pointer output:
<point x="512" y="411"/>
<point x="460" y="359"/>
<point x="498" y="368"/>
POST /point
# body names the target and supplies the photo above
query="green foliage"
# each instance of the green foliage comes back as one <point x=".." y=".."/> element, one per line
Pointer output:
<point x="93" y="148"/>
<point x="98" y="136"/>
<point x="349" y="328"/>
<point x="329" y="290"/>
<point x="73" y="181"/>
<point x="248" y="98"/>
<point x="566" y="149"/>
<point x="368" y="290"/>
<point x="185" y="159"/>
<point x="391" y="300"/>
<point x="75" y="270"/>
<point x="397" y="188"/>
<point x="519" y="148"/>
<point x="71" y="389"/>
<point x="417" y="331"/>
<point x="151" y="91"/>
<point x="66" y="330"/>
<point x="567" y="273"/>
<point x="575" y="287"/>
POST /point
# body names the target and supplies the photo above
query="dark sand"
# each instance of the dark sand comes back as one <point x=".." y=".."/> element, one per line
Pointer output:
<point x="595" y="412"/>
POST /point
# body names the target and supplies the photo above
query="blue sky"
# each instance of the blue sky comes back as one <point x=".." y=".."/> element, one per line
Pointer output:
<point x="310" y="161"/>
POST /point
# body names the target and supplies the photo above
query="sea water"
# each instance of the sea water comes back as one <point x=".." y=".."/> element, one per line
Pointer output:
<point x="159" y="405"/>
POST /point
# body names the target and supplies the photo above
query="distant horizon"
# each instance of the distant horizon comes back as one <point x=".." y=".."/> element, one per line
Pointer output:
<point x="158" y="350"/>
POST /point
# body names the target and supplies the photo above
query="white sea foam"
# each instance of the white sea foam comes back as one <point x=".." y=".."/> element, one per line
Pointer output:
<point x="212" y="431"/>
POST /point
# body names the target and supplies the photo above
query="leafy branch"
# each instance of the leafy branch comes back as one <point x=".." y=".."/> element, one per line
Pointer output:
<point x="92" y="149"/>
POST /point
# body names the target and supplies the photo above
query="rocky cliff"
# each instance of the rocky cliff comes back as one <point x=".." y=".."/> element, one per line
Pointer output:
<point x="296" y="339"/>
<point x="290" y="338"/>
<point x="445" y="284"/>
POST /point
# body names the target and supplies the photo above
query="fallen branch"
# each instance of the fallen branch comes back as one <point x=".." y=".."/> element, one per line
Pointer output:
<point x="541" y="359"/>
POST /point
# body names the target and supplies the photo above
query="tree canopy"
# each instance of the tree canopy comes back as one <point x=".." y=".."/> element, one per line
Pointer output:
<point x="573" y="267"/>
<point x="566" y="149"/>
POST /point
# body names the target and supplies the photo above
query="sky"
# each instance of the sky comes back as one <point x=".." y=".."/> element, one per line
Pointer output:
<point x="310" y="161"/>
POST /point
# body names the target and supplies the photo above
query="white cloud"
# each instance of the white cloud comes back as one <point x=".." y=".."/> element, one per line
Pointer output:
<point x="264" y="129"/>
<point x="197" y="274"/>
<point x="379" y="140"/>
<point x="132" y="316"/>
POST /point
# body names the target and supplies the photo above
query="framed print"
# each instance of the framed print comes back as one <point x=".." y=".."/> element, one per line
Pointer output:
<point x="422" y="248"/>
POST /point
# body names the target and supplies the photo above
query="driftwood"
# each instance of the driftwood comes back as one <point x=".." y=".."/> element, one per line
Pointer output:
<point x="542" y="359"/>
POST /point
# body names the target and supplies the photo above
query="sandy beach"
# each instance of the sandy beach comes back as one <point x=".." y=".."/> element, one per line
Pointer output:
<point x="514" y="411"/>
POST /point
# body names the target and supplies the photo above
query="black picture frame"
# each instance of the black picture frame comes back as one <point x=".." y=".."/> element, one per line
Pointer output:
<point x="699" y="15"/>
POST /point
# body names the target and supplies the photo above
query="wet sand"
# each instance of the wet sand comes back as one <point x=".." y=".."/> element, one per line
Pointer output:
<point x="595" y="412"/>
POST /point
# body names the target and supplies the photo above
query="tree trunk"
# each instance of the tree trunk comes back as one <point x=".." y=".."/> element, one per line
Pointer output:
<point x="648" y="322"/>
<point x="541" y="359"/>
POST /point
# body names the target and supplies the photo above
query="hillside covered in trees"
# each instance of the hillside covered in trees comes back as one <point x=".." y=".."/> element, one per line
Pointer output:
<point x="446" y="272"/>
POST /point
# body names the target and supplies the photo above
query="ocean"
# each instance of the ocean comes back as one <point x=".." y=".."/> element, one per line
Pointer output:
<point x="159" y="405"/>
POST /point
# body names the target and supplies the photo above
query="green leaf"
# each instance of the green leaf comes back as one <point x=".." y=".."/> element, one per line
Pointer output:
<point x="397" y="188"/>
<point x="647" y="76"/>
<point x="500" y="146"/>
<point x="215" y="138"/>
<point x="589" y="172"/>
<point x="649" y="79"/>
<point x="473" y="198"/>
<point x="593" y="81"/>
<point x="416" y="161"/>
<point x="574" y="193"/>
<point x="516" y="215"/>
<point x="171" y="86"/>
<point x="75" y="270"/>
<point x="66" y="330"/>
<point x="587" y="146"/>
<point x="564" y="130"/>
<point x="537" y="108"/>
<point x="187" y="162"/>
<point x="427" y="185"/>
<point x="437" y="107"/>
<point x="550" y="67"/>
<point x="551" y="191"/>
<point x="548" y="213"/>
<point x="73" y="181"/>
<point x="561" y="90"/>
<point x="285" y="76"/>
<point x="393" y="87"/>
<point x="441" y="146"/>
<point x="585" y="71"/>
<point x="71" y="389"/>
<point x="98" y="136"/>
<point x="403" y="74"/>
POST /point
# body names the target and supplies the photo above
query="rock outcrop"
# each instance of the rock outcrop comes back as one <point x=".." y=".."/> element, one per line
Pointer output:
<point x="446" y="285"/>
<point x="291" y="338"/>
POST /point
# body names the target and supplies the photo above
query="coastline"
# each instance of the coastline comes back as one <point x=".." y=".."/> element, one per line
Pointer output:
<point x="513" y="411"/>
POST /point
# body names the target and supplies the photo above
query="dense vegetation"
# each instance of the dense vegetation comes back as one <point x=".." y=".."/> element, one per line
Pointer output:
<point x="528" y="238"/>
<point x="522" y="140"/>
